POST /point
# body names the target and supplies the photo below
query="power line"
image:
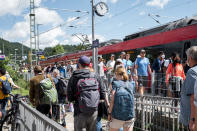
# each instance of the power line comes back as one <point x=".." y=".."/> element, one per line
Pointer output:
<point x="155" y="12"/>
<point x="65" y="10"/>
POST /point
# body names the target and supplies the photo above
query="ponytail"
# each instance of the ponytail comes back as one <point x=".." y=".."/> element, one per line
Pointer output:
<point x="125" y="76"/>
<point x="122" y="72"/>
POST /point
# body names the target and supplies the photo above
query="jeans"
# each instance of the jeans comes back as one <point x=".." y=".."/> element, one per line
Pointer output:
<point x="85" y="122"/>
<point x="3" y="104"/>
<point x="98" y="124"/>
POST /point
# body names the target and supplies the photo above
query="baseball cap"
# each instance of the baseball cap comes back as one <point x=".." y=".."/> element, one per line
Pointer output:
<point x="123" y="53"/>
<point x="143" y="51"/>
<point x="119" y="60"/>
<point x="84" y="60"/>
<point x="112" y="55"/>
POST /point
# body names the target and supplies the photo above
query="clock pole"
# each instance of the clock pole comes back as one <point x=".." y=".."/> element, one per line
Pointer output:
<point x="94" y="53"/>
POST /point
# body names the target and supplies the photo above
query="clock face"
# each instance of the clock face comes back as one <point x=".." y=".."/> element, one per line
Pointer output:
<point x="101" y="9"/>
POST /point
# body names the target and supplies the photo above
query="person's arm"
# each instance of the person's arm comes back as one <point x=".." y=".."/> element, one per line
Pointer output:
<point x="192" y="115"/>
<point x="149" y="69"/>
<point x="182" y="72"/>
<point x="111" y="105"/>
<point x="70" y="92"/>
<point x="102" y="88"/>
<point x="32" y="93"/>
<point x="168" y="73"/>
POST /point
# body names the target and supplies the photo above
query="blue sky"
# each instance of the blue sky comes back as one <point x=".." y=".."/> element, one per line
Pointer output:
<point x="124" y="18"/>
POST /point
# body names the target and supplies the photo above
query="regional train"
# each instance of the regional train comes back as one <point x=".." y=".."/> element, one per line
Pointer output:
<point x="176" y="36"/>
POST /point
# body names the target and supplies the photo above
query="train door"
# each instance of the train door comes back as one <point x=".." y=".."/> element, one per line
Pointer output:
<point x="187" y="45"/>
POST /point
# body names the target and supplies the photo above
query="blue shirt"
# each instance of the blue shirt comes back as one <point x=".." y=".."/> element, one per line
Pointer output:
<point x="142" y="64"/>
<point x="124" y="61"/>
<point x="186" y="91"/>
<point x="128" y="63"/>
<point x="156" y="65"/>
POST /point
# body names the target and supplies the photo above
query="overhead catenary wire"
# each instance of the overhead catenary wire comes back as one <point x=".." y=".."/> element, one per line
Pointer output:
<point x="64" y="10"/>
<point x="155" y="12"/>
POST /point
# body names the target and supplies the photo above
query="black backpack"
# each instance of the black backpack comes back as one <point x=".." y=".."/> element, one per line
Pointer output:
<point x="88" y="94"/>
<point x="6" y="87"/>
<point x="62" y="87"/>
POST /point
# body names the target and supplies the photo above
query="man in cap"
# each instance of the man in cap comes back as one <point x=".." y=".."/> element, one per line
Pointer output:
<point x="122" y="57"/>
<point x="84" y="83"/>
<point x="142" y="67"/>
<point x="35" y="92"/>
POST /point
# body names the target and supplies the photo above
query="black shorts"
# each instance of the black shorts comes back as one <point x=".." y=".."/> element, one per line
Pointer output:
<point x="143" y="81"/>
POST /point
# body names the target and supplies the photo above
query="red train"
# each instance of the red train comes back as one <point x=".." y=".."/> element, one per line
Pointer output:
<point x="174" y="36"/>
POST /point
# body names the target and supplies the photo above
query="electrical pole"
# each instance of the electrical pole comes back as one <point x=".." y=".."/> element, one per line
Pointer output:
<point x="32" y="32"/>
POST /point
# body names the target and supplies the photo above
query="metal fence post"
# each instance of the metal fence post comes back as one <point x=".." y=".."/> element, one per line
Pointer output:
<point x="152" y="83"/>
<point x="142" y="113"/>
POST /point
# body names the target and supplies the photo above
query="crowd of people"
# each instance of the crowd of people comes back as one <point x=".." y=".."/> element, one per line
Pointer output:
<point x="111" y="91"/>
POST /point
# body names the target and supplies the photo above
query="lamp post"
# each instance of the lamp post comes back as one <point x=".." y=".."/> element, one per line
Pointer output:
<point x="94" y="58"/>
<point x="15" y="55"/>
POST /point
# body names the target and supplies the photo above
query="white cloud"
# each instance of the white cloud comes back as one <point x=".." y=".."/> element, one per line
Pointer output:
<point x="100" y="37"/>
<point x="109" y="15"/>
<point x="83" y="21"/>
<point x="19" y="30"/>
<point x="135" y="3"/>
<point x="49" y="39"/>
<point x="113" y="1"/>
<point x="142" y="13"/>
<point x="15" y="7"/>
<point x="45" y="16"/>
<point x="157" y="3"/>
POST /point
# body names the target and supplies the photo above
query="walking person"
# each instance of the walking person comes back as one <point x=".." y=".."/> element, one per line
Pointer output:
<point x="121" y="110"/>
<point x="87" y="86"/>
<point x="59" y="110"/>
<point x="110" y="67"/>
<point x="188" y="92"/>
<point x="128" y="66"/>
<point x="157" y="69"/>
<point x="5" y="89"/>
<point x="37" y="94"/>
<point x="142" y="68"/>
<point x="175" y="75"/>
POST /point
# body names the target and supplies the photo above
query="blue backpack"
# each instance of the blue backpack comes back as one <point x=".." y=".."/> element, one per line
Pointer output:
<point x="6" y="87"/>
<point x="123" y="108"/>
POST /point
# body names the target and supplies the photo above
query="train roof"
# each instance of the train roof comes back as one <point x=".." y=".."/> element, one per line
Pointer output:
<point x="162" y="28"/>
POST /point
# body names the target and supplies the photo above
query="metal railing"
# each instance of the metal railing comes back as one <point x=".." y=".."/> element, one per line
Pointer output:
<point x="33" y="120"/>
<point x="27" y="76"/>
<point x="154" y="113"/>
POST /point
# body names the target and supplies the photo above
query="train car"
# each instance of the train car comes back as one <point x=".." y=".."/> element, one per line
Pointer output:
<point x="174" y="36"/>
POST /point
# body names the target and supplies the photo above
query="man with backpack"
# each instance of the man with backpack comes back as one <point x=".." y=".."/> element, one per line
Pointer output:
<point x="59" y="109"/>
<point x="85" y="89"/>
<point x="5" y="90"/>
<point x="42" y="91"/>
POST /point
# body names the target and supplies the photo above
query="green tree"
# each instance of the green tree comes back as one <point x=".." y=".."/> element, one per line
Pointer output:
<point x="58" y="49"/>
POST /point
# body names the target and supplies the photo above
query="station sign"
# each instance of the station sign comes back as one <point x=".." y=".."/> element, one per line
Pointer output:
<point x="2" y="57"/>
<point x="95" y="43"/>
<point x="39" y="52"/>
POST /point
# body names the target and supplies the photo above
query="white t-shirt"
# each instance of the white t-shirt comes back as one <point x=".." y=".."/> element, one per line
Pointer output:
<point x="110" y="63"/>
<point x="100" y="69"/>
<point x="195" y="94"/>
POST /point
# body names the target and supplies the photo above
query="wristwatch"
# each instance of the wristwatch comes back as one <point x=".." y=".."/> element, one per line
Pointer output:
<point x="193" y="119"/>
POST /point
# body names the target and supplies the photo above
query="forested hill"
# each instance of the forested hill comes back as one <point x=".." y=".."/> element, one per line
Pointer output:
<point x="9" y="48"/>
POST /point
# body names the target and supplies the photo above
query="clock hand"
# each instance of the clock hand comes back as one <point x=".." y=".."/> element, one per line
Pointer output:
<point x="101" y="6"/>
